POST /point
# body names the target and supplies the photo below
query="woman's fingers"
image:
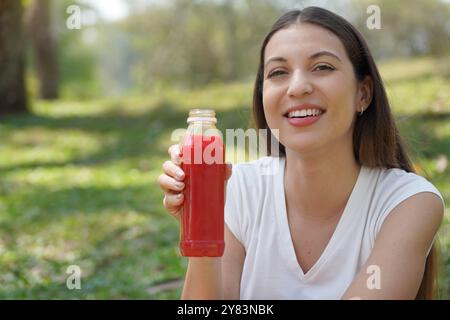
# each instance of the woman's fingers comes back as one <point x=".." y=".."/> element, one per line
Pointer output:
<point x="171" y="181"/>
<point x="173" y="204"/>
<point x="173" y="201"/>
<point x="175" y="154"/>
<point x="172" y="170"/>
<point x="169" y="184"/>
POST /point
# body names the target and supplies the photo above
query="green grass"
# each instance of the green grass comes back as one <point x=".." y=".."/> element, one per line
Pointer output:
<point x="78" y="183"/>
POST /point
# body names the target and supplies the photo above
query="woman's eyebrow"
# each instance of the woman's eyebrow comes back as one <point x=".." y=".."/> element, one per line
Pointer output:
<point x="324" y="53"/>
<point x="279" y="59"/>
<point x="312" y="57"/>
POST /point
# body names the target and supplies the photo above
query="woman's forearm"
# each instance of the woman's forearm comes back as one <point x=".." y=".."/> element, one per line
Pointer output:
<point x="203" y="279"/>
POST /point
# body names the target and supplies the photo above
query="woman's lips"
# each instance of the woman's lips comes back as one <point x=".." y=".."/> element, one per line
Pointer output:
<point x="306" y="121"/>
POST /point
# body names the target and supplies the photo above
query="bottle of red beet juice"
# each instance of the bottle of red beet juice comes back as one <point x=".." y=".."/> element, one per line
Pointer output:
<point x="203" y="162"/>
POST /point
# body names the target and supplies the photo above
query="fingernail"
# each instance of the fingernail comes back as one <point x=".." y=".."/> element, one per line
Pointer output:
<point x="180" y="174"/>
<point x="179" y="195"/>
<point x="180" y="185"/>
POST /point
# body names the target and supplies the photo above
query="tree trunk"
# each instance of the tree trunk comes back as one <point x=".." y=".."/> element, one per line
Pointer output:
<point x="12" y="64"/>
<point x="43" y="43"/>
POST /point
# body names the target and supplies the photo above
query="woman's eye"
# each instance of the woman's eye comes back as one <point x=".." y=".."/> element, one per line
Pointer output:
<point x="321" y="67"/>
<point x="275" y="73"/>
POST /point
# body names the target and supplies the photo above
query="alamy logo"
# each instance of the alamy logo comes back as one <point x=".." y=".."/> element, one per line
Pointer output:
<point x="74" y="20"/>
<point x="374" y="280"/>
<point x="74" y="279"/>
<point x="240" y="146"/>
<point x="374" y="20"/>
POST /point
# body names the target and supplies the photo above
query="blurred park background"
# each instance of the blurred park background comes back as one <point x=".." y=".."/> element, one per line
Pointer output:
<point x="86" y="116"/>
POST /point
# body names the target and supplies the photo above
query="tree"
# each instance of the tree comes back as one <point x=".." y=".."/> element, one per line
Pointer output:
<point x="193" y="43"/>
<point x="12" y="64"/>
<point x="43" y="41"/>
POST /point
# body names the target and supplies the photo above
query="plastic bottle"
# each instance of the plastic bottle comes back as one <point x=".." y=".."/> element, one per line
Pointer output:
<point x="203" y="162"/>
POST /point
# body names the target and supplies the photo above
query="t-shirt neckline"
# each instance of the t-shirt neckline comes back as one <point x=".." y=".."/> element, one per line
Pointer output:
<point x="285" y="237"/>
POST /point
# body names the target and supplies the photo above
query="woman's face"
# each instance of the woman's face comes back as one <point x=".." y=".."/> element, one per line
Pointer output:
<point x="306" y="64"/>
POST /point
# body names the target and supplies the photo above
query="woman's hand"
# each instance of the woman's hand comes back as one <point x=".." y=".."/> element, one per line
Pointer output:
<point x="171" y="182"/>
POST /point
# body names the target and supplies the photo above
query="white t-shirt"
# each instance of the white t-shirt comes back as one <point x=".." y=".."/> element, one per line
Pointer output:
<point x="255" y="212"/>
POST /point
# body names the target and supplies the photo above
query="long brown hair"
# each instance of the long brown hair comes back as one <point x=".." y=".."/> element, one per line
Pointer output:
<point x="376" y="139"/>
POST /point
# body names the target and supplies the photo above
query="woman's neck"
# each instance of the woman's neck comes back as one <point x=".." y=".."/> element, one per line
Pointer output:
<point x="319" y="184"/>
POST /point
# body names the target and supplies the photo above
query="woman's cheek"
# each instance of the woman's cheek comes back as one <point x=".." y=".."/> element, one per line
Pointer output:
<point x="269" y="107"/>
<point x="272" y="96"/>
<point x="270" y="118"/>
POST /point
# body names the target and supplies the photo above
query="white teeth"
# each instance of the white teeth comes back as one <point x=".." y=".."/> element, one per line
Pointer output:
<point x="304" y="113"/>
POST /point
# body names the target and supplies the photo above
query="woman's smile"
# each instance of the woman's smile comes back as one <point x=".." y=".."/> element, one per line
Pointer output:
<point x="304" y="114"/>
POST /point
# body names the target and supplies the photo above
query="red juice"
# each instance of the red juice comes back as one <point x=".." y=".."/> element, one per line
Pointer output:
<point x="202" y="221"/>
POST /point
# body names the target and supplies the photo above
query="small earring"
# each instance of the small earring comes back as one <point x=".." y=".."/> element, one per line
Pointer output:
<point x="361" y="113"/>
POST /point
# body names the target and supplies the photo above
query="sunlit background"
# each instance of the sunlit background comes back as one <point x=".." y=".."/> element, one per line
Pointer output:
<point x="86" y="117"/>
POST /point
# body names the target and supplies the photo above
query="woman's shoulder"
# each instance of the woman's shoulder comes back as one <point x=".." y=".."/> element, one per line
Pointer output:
<point x="255" y="179"/>
<point x="250" y="188"/>
<point x="396" y="179"/>
<point x="393" y="186"/>
<point x="390" y="187"/>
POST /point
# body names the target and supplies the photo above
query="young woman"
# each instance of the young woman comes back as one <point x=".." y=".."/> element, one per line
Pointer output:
<point x="345" y="216"/>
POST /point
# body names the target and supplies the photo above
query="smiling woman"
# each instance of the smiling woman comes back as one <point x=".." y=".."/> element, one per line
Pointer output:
<point x="345" y="205"/>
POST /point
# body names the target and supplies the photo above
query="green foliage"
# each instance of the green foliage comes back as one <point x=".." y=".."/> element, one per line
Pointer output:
<point x="190" y="44"/>
<point x="193" y="43"/>
<point x="408" y="27"/>
<point x="78" y="68"/>
<point x="78" y="184"/>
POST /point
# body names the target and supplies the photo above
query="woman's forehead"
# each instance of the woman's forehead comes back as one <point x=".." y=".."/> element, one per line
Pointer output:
<point x="304" y="40"/>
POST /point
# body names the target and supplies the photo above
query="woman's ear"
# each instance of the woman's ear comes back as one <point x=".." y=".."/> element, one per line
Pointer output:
<point x="365" y="93"/>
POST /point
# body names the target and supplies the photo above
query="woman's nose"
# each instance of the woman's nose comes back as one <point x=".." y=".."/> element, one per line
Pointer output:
<point x="299" y="85"/>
